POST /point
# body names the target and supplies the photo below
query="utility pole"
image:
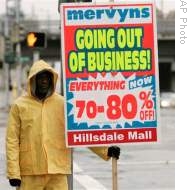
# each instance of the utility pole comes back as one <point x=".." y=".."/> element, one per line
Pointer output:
<point x="36" y="55"/>
<point x="6" y="65"/>
<point x="18" y="50"/>
<point x="162" y="5"/>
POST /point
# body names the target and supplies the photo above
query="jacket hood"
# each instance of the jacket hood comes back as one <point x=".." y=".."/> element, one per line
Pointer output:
<point x="36" y="68"/>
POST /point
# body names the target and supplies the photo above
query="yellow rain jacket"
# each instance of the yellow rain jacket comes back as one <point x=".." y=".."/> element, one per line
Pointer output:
<point x="35" y="141"/>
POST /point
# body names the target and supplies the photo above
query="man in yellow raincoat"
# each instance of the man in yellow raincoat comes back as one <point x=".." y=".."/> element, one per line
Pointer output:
<point x="37" y="156"/>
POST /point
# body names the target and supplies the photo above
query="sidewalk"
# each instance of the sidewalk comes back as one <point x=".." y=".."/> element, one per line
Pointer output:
<point x="4" y="184"/>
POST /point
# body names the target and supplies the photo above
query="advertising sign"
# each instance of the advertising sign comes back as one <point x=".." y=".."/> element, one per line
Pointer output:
<point x="110" y="71"/>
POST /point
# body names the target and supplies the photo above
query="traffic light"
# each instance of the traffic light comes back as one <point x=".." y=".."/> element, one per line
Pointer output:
<point x="18" y="33"/>
<point x="9" y="55"/>
<point x="36" y="39"/>
<point x="8" y="45"/>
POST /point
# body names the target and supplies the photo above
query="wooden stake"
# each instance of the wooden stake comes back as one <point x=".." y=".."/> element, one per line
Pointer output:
<point x="114" y="174"/>
<point x="114" y="161"/>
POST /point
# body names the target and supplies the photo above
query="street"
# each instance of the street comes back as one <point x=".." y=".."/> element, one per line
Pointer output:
<point x="140" y="167"/>
<point x="112" y="59"/>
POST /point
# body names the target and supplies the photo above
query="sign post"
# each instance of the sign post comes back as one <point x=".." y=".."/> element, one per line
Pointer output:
<point x="114" y="174"/>
<point x="110" y="66"/>
<point x="114" y="163"/>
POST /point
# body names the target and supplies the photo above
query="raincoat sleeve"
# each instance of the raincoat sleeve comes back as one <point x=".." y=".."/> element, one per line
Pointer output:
<point x="101" y="152"/>
<point x="12" y="144"/>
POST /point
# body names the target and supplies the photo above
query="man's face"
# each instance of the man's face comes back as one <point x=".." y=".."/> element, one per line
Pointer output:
<point x="43" y="82"/>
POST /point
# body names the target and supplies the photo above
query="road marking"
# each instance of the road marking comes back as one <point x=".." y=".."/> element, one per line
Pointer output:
<point x="147" y="162"/>
<point x="86" y="181"/>
<point x="90" y="183"/>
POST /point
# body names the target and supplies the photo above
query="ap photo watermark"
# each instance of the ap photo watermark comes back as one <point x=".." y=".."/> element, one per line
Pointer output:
<point x="183" y="22"/>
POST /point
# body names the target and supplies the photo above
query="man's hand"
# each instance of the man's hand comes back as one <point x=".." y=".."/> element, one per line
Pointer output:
<point x="114" y="151"/>
<point x="15" y="182"/>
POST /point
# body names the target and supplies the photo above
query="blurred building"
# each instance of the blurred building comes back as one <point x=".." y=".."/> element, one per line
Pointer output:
<point x="166" y="45"/>
<point x="166" y="50"/>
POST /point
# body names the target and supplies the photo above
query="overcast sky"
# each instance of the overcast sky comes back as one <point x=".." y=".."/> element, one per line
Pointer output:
<point x="44" y="9"/>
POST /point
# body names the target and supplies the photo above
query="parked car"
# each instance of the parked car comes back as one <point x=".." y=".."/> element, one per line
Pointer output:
<point x="167" y="99"/>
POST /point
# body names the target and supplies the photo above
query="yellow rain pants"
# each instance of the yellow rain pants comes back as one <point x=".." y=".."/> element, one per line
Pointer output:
<point x="44" y="182"/>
